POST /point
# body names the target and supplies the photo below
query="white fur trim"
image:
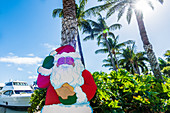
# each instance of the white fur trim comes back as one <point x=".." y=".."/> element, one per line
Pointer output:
<point x="44" y="71"/>
<point x="64" y="54"/>
<point x="60" y="108"/>
<point x="81" y="96"/>
<point x="52" y="53"/>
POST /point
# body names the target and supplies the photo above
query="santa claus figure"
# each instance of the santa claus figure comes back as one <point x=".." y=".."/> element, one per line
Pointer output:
<point x="69" y="85"/>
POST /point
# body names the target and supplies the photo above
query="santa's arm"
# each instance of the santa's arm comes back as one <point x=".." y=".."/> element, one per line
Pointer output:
<point x="43" y="80"/>
<point x="86" y="92"/>
<point x="89" y="87"/>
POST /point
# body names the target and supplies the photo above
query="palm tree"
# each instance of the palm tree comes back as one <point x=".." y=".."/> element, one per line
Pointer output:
<point x="121" y="6"/>
<point x="132" y="61"/>
<point x="100" y="30"/>
<point x="114" y="46"/>
<point x="80" y="15"/>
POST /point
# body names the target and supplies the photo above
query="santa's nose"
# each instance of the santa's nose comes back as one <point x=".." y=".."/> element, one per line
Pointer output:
<point x="65" y="60"/>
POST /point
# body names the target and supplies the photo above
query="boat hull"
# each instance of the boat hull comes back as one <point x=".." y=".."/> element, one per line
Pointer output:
<point x="15" y="100"/>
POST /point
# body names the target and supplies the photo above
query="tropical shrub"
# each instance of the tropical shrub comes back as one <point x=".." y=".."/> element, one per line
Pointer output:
<point x="122" y="92"/>
<point x="165" y="64"/>
<point x="37" y="100"/>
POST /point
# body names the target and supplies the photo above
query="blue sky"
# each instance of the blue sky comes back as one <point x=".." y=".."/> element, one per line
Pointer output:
<point x="28" y="33"/>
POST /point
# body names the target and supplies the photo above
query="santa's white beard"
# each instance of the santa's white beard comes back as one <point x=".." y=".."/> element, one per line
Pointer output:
<point x="67" y="74"/>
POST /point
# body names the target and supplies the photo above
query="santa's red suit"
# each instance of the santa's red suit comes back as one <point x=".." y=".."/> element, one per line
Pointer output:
<point x="88" y="87"/>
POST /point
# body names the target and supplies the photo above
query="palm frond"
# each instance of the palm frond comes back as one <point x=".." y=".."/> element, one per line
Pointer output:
<point x="82" y="5"/>
<point x="151" y="5"/>
<point x="116" y="7"/>
<point x="99" y="39"/>
<point x="94" y="10"/>
<point x="161" y="1"/>
<point x="110" y="34"/>
<point x="115" y="26"/>
<point x="88" y="38"/>
<point x="93" y="23"/>
<point x="86" y="29"/>
<point x="121" y="12"/>
<point x="82" y="23"/>
<point x="57" y="12"/>
<point x="83" y="1"/>
<point x="129" y="15"/>
<point x="105" y="50"/>
<point x="129" y="42"/>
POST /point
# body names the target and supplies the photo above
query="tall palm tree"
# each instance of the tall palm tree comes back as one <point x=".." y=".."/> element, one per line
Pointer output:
<point x="133" y="61"/>
<point x="80" y="15"/>
<point x="121" y="6"/>
<point x="114" y="46"/>
<point x="100" y="31"/>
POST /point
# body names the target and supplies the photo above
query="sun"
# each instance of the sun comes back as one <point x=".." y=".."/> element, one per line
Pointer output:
<point x="143" y="6"/>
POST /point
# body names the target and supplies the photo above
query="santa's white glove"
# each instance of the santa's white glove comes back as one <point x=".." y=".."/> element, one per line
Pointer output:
<point x="81" y="96"/>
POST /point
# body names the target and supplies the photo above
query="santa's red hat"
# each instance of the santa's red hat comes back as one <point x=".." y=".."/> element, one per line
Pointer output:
<point x="60" y="50"/>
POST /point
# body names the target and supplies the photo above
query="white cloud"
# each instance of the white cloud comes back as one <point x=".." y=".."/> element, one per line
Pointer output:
<point x="29" y="72"/>
<point x="31" y="54"/>
<point x="19" y="69"/>
<point x="9" y="65"/>
<point x="11" y="53"/>
<point x="32" y="77"/>
<point x="21" y="60"/>
<point x="39" y="65"/>
<point x="52" y="47"/>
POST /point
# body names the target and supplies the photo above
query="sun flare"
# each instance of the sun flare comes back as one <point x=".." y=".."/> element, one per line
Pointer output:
<point x="143" y="6"/>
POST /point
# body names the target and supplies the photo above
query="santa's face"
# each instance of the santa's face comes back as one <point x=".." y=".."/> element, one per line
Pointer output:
<point x="67" y="69"/>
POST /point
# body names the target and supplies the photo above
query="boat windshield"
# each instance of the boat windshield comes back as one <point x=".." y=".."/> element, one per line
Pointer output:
<point x="23" y="91"/>
<point x="20" y="84"/>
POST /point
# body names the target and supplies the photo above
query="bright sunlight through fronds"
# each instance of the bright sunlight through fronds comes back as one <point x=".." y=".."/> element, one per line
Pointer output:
<point x="143" y="6"/>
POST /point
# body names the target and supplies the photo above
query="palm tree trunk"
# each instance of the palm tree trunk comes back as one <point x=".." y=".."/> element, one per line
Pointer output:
<point x="134" y="69"/>
<point x="113" y="64"/>
<point x="137" y="68"/>
<point x="70" y="27"/>
<point x="148" y="47"/>
<point x="116" y="60"/>
<point x="69" y="24"/>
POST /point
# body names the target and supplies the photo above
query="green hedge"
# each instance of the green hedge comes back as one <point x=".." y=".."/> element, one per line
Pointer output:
<point x="122" y="92"/>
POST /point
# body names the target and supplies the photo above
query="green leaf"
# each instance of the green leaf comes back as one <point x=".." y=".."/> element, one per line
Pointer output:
<point x="129" y="15"/>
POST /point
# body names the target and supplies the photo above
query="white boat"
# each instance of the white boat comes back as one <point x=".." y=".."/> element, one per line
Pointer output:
<point x="1" y="86"/>
<point x="15" y="94"/>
